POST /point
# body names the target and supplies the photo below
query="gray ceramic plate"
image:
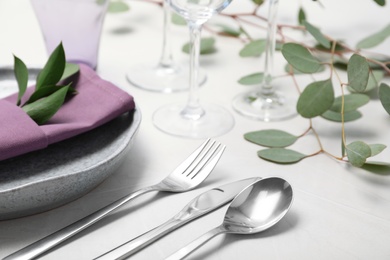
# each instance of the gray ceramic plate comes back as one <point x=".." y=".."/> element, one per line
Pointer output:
<point x="41" y="180"/>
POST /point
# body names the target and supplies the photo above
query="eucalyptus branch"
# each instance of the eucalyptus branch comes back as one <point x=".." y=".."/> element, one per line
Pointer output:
<point x="364" y="75"/>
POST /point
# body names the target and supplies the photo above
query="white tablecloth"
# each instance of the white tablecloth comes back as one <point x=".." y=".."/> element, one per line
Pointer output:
<point x="339" y="211"/>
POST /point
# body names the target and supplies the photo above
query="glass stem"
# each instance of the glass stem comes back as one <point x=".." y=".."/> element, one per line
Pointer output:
<point x="267" y="89"/>
<point x="166" y="59"/>
<point x="193" y="110"/>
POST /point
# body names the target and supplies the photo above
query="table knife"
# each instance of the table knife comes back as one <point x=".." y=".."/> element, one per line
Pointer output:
<point x="197" y="207"/>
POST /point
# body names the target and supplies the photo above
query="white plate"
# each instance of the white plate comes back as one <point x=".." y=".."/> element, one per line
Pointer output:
<point x="45" y="179"/>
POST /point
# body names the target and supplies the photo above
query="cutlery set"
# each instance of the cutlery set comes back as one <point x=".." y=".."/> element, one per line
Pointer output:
<point x="271" y="196"/>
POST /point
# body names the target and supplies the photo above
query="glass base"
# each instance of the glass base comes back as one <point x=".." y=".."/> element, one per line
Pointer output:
<point x="160" y="78"/>
<point x="214" y="122"/>
<point x="266" y="108"/>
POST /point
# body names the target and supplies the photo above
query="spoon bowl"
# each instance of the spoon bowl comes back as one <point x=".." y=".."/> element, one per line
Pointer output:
<point x="256" y="208"/>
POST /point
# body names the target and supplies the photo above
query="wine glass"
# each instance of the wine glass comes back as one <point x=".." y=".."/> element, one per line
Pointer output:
<point x="167" y="75"/>
<point x="266" y="103"/>
<point x="191" y="119"/>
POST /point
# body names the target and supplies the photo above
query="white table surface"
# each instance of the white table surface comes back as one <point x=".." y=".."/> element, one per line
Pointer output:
<point x="339" y="212"/>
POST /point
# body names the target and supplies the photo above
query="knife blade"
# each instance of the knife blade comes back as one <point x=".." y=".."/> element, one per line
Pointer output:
<point x="197" y="207"/>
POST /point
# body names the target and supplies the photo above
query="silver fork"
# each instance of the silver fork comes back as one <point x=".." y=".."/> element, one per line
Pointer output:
<point x="188" y="175"/>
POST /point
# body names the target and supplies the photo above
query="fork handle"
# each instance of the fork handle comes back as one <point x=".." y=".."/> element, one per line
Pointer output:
<point x="131" y="247"/>
<point x="37" y="248"/>
<point x="188" y="249"/>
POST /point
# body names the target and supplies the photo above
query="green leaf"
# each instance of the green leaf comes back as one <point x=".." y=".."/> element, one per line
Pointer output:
<point x="252" y="79"/>
<point x="351" y="102"/>
<point x="316" y="33"/>
<point x="336" y="116"/>
<point x="338" y="48"/>
<point x="21" y="75"/>
<point x="377" y="148"/>
<point x="118" y="7"/>
<point x="53" y="69"/>
<point x="229" y="30"/>
<point x="357" y="153"/>
<point x="177" y="19"/>
<point x="47" y="91"/>
<point x="100" y="2"/>
<point x="253" y="49"/>
<point x="70" y="70"/>
<point x="301" y="16"/>
<point x="258" y="2"/>
<point x="43" y="109"/>
<point x="280" y="155"/>
<point x="358" y="72"/>
<point x="374" y="39"/>
<point x="382" y="168"/>
<point x="271" y="138"/>
<point x="373" y="81"/>
<point x="380" y="2"/>
<point x="290" y="69"/>
<point x="384" y="96"/>
<point x="300" y="58"/>
<point x="207" y="46"/>
<point x="315" y="99"/>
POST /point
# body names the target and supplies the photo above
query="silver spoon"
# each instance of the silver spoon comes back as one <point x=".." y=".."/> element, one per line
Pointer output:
<point x="257" y="208"/>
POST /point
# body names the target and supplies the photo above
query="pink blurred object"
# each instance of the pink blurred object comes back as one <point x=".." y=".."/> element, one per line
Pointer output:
<point x="75" y="23"/>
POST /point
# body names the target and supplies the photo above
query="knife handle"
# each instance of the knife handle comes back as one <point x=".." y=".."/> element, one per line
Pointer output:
<point x="131" y="247"/>
<point x="188" y="213"/>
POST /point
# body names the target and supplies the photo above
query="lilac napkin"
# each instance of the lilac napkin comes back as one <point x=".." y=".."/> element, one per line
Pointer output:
<point x="97" y="102"/>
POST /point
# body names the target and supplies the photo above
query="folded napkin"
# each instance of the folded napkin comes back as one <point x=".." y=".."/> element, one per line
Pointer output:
<point x="97" y="102"/>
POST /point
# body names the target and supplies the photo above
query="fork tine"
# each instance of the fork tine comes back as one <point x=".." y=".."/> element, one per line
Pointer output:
<point x="206" y="166"/>
<point x="190" y="159"/>
<point x="200" y="158"/>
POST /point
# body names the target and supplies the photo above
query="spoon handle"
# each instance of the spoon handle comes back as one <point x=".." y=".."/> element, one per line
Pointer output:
<point x="188" y="249"/>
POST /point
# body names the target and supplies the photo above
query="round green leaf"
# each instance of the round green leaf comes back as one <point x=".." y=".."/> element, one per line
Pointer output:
<point x="117" y="7"/>
<point x="228" y="30"/>
<point x="357" y="153"/>
<point x="177" y="19"/>
<point x="253" y="48"/>
<point x="260" y="2"/>
<point x="358" y="71"/>
<point x="336" y="116"/>
<point x="374" y="78"/>
<point x="384" y="96"/>
<point x="377" y="148"/>
<point x="300" y="58"/>
<point x="290" y="69"/>
<point x="316" y="98"/>
<point x="280" y="155"/>
<point x="351" y="102"/>
<point x="271" y="138"/>
<point x="316" y="33"/>
<point x="252" y="79"/>
<point x="207" y="46"/>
